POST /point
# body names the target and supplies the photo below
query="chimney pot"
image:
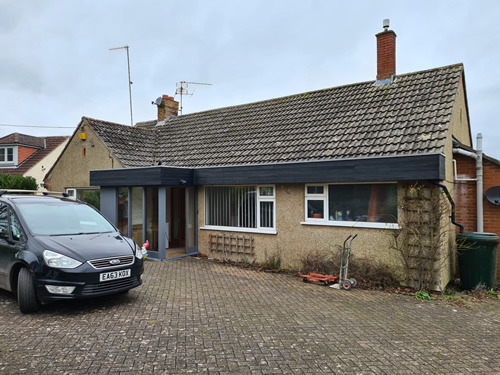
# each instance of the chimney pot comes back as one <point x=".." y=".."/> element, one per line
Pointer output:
<point x="386" y="24"/>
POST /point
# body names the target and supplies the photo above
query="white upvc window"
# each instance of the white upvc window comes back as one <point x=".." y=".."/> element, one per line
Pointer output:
<point x="241" y="208"/>
<point x="315" y="201"/>
<point x="71" y="193"/>
<point x="360" y="205"/>
<point x="8" y="155"/>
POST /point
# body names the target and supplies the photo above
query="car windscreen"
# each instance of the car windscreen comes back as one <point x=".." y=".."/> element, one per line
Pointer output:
<point x="63" y="218"/>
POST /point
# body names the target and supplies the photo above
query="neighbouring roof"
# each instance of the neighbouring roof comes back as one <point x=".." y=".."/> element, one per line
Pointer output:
<point x="408" y="117"/>
<point x="22" y="139"/>
<point x="51" y="143"/>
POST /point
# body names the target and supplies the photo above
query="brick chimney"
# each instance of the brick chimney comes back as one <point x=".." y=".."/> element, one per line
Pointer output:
<point x="168" y="107"/>
<point x="386" y="53"/>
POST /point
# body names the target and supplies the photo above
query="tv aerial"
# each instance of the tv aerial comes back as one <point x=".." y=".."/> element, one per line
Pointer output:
<point x="182" y="89"/>
<point x="129" y="81"/>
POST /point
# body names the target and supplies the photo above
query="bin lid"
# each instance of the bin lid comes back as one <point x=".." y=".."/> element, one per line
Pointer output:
<point x="478" y="237"/>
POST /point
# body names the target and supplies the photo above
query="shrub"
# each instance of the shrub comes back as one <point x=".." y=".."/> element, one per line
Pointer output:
<point x="369" y="273"/>
<point x="8" y="181"/>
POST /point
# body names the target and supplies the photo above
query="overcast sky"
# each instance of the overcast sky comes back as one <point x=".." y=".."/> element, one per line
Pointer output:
<point x="56" y="66"/>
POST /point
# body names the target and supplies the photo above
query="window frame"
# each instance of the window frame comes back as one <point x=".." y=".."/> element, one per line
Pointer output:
<point x="259" y="198"/>
<point x="5" y="152"/>
<point x="316" y="197"/>
<point x="335" y="223"/>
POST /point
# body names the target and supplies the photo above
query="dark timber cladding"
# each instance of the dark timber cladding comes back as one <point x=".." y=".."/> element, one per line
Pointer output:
<point x="144" y="176"/>
<point x="402" y="168"/>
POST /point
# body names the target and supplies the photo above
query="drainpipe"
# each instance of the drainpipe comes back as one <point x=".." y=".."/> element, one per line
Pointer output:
<point x="452" y="217"/>
<point x="478" y="156"/>
<point x="479" y="188"/>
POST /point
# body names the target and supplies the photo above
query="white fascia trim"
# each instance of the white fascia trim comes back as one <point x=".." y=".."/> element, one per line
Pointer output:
<point x="243" y="230"/>
<point x="352" y="224"/>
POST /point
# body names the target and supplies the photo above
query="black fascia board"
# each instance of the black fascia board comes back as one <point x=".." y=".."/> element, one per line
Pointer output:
<point x="396" y="168"/>
<point x="399" y="168"/>
<point x="143" y="176"/>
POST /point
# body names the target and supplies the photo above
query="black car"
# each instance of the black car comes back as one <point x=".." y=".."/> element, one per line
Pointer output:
<point x="56" y="248"/>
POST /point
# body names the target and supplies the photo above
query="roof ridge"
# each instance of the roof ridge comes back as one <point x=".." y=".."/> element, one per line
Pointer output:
<point x="91" y="121"/>
<point x="315" y="91"/>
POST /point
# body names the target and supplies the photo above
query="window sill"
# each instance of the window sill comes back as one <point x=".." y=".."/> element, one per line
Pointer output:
<point x="242" y="230"/>
<point x="351" y="224"/>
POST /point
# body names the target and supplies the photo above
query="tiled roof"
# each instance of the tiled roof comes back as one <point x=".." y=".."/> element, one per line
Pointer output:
<point x="410" y="116"/>
<point x="51" y="145"/>
<point x="146" y="124"/>
<point x="133" y="146"/>
<point x="22" y="139"/>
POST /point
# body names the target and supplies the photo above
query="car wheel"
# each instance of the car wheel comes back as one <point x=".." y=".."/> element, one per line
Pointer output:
<point x="26" y="292"/>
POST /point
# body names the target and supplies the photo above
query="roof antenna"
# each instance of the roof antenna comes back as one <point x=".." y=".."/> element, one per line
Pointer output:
<point x="129" y="82"/>
<point x="386" y="24"/>
<point x="182" y="89"/>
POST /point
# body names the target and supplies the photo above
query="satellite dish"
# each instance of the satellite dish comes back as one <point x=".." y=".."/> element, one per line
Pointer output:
<point x="158" y="101"/>
<point x="493" y="195"/>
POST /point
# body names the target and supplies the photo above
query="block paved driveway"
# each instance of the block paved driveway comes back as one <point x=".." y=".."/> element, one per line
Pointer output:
<point x="198" y="316"/>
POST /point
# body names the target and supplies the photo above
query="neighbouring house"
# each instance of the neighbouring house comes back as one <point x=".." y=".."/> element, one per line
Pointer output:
<point x="280" y="180"/>
<point x="475" y="175"/>
<point x="27" y="155"/>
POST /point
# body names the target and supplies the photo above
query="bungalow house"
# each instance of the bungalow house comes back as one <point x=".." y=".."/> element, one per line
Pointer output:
<point x="27" y="155"/>
<point x="279" y="180"/>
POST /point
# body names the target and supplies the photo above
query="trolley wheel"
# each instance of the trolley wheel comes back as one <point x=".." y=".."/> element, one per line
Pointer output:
<point x="346" y="285"/>
<point x="354" y="283"/>
<point x="304" y="279"/>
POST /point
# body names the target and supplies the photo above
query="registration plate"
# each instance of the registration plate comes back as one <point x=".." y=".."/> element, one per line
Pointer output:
<point x="114" y="275"/>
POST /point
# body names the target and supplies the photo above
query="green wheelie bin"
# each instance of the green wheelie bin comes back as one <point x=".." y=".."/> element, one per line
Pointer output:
<point x="477" y="259"/>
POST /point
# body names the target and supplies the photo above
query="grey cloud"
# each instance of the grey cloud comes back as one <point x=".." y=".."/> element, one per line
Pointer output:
<point x="16" y="75"/>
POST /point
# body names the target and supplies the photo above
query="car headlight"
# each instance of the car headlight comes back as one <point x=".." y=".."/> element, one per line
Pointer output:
<point x="138" y="252"/>
<point x="57" y="260"/>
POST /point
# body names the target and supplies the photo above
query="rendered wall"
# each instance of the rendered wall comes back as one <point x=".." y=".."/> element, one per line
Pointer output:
<point x="78" y="158"/>
<point x="459" y="128"/>
<point x="294" y="240"/>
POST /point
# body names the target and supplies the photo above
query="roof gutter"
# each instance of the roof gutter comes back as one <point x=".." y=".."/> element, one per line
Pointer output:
<point x="478" y="156"/>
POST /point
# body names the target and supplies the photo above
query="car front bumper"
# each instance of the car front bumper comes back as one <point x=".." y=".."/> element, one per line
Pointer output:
<point x="87" y="282"/>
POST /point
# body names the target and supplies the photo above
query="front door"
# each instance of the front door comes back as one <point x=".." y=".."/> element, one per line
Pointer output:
<point x="178" y="214"/>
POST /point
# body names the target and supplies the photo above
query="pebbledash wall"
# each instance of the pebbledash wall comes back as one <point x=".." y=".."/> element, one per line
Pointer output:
<point x="465" y="196"/>
<point x="294" y="240"/>
<point x="78" y="157"/>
